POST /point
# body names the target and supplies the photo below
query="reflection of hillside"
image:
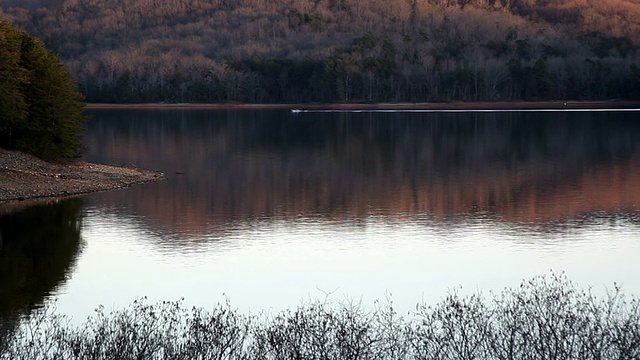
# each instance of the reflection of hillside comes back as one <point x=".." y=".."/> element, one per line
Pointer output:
<point x="235" y="165"/>
<point x="38" y="246"/>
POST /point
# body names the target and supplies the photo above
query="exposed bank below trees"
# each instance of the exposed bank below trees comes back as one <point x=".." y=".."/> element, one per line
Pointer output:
<point x="25" y="177"/>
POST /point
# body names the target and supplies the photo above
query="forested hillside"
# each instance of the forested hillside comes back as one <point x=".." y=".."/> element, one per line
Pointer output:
<point x="341" y="50"/>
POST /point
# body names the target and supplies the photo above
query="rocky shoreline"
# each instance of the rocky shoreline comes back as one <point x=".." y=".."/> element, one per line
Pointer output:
<point x="24" y="177"/>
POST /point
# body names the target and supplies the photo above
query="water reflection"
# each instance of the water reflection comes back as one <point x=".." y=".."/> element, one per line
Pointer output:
<point x="540" y="169"/>
<point x="38" y="249"/>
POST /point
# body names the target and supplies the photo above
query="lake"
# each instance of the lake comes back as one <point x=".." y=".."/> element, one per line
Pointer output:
<point x="269" y="208"/>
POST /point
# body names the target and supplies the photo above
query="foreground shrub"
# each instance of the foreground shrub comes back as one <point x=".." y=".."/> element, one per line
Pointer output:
<point x="545" y="318"/>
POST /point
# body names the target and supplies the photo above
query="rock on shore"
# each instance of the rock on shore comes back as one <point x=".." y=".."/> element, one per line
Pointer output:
<point x="23" y="176"/>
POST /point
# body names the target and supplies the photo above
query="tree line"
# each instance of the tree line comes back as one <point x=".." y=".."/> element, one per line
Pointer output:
<point x="341" y="50"/>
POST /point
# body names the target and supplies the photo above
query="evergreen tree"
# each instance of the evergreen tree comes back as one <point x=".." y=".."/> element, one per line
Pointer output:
<point x="13" y="108"/>
<point x="40" y="107"/>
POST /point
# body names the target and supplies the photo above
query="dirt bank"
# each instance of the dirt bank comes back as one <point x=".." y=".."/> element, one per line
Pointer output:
<point x="25" y="177"/>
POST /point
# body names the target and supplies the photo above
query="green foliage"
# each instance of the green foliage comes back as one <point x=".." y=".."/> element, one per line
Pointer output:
<point x="40" y="110"/>
<point x="13" y="108"/>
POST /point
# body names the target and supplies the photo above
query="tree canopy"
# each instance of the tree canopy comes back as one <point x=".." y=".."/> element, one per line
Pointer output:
<point x="40" y="109"/>
<point x="341" y="50"/>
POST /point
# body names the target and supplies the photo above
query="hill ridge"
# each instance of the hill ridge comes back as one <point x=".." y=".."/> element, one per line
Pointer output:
<point x="342" y="50"/>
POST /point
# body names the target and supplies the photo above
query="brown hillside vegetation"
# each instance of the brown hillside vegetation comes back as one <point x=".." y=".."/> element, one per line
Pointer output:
<point x="341" y="50"/>
<point x="613" y="17"/>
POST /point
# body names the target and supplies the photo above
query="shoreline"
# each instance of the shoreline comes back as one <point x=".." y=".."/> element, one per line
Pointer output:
<point x="26" y="179"/>
<point x="454" y="105"/>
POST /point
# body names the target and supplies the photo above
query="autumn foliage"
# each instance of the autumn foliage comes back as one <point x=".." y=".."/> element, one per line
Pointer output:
<point x="341" y="50"/>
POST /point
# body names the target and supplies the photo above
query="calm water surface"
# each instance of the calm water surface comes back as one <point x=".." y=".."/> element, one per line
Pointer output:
<point x="270" y="209"/>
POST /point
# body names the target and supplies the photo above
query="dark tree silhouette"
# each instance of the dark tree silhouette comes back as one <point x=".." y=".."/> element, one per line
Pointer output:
<point x="41" y="112"/>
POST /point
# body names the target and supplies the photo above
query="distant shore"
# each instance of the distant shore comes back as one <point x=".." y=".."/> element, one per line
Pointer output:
<point x="461" y="105"/>
<point x="25" y="177"/>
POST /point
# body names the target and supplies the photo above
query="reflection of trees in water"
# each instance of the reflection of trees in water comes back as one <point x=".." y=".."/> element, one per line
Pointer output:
<point x="39" y="246"/>
<point x="240" y="164"/>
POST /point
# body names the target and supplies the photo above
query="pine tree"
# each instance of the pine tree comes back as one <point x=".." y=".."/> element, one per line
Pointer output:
<point x="13" y="108"/>
<point x="41" y="110"/>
